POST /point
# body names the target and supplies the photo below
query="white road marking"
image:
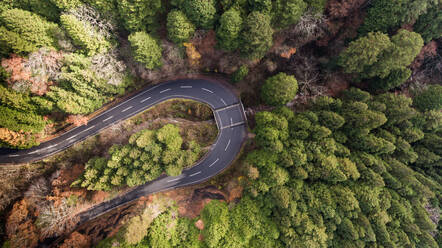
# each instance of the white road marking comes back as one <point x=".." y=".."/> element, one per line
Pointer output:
<point x="33" y="152"/>
<point x="234" y="125"/>
<point x="126" y="109"/>
<point x="214" y="162"/>
<point x="173" y="180"/>
<point x="227" y="146"/>
<point x="72" y="136"/>
<point x="231" y="122"/>
<point x="13" y="155"/>
<point x="145" y="99"/>
<point x="207" y="90"/>
<point x="88" y="128"/>
<point x="194" y="174"/>
<point x="222" y="100"/>
<point x="108" y="118"/>
<point x="228" y="107"/>
<point x="186" y="87"/>
<point x="165" y="90"/>
<point x="49" y="147"/>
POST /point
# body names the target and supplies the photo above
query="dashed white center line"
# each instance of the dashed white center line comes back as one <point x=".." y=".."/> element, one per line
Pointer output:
<point x="33" y="152"/>
<point x="126" y="109"/>
<point x="173" y="180"/>
<point x="13" y="155"/>
<point x="88" y="128"/>
<point x="186" y="87"/>
<point x="145" y="99"/>
<point x="227" y="146"/>
<point x="49" y="147"/>
<point x="194" y="174"/>
<point x="108" y="118"/>
<point x="165" y="90"/>
<point x="72" y="136"/>
<point x="222" y="100"/>
<point x="214" y="162"/>
<point x="231" y="121"/>
<point x="207" y="90"/>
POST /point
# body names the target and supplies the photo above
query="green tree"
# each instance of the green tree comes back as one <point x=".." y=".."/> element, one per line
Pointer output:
<point x="377" y="55"/>
<point x="229" y="30"/>
<point x="179" y="28"/>
<point x="148" y="154"/>
<point x="429" y="25"/>
<point x="216" y="222"/>
<point x="43" y="8"/>
<point x="66" y="4"/>
<point x="139" y="15"/>
<point x="24" y="32"/>
<point x="201" y="12"/>
<point x="146" y="49"/>
<point x="287" y="12"/>
<point x="382" y="16"/>
<point x="364" y="52"/>
<point x="429" y="99"/>
<point x="84" y="35"/>
<point x="256" y="35"/>
<point x="394" y="79"/>
<point x="279" y="89"/>
<point x="21" y="121"/>
<point x="317" y="6"/>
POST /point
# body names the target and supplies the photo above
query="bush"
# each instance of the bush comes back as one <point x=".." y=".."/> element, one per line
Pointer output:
<point x="201" y="12"/>
<point x="84" y="35"/>
<point x="256" y="36"/>
<point x="240" y="74"/>
<point x="229" y="29"/>
<point x="179" y="28"/>
<point x="429" y="99"/>
<point x="145" y="49"/>
<point x="279" y="89"/>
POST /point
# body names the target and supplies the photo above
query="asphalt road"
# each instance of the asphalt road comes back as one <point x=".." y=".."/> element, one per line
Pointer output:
<point x="230" y="119"/>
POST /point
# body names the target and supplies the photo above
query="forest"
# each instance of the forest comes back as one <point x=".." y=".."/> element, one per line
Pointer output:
<point x="343" y="100"/>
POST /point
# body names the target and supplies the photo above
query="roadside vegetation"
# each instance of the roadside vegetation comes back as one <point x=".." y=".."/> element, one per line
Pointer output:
<point x="343" y="99"/>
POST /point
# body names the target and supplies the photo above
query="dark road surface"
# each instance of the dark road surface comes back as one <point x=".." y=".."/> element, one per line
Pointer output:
<point x="229" y="116"/>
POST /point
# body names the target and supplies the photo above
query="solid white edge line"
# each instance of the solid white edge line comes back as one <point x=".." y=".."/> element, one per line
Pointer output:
<point x="145" y="99"/>
<point x="227" y="146"/>
<point x="126" y="109"/>
<point x="108" y="118"/>
<point x="214" y="162"/>
<point x="194" y="174"/>
<point x="14" y="155"/>
<point x="34" y="152"/>
<point x="165" y="90"/>
<point x="222" y="100"/>
<point x="207" y="90"/>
